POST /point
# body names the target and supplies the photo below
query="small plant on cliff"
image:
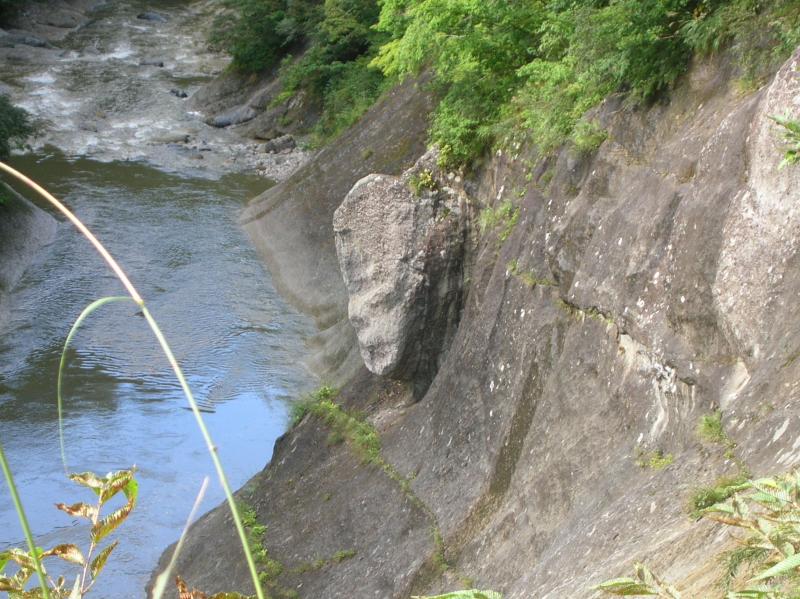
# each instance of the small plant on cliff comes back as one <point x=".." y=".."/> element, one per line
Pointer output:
<point x="654" y="460"/>
<point x="268" y="568"/>
<point x="791" y="137"/>
<point x="89" y="564"/>
<point x="711" y="430"/>
<point x="504" y="218"/>
<point x="766" y="564"/>
<point x="306" y="405"/>
<point x="421" y="182"/>
<point x="588" y="136"/>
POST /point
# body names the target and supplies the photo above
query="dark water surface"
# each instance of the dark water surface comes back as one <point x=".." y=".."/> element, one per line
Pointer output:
<point x="240" y="345"/>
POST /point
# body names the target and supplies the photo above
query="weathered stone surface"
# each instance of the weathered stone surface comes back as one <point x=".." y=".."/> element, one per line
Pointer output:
<point x="24" y="229"/>
<point x="636" y="290"/>
<point x="23" y="38"/>
<point x="41" y="24"/>
<point x="234" y="116"/>
<point x="280" y="144"/>
<point x="402" y="248"/>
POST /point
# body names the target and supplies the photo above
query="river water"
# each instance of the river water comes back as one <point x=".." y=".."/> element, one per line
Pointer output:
<point x="170" y="219"/>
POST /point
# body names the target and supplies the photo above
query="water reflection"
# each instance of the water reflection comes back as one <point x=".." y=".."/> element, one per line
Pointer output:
<point x="240" y="345"/>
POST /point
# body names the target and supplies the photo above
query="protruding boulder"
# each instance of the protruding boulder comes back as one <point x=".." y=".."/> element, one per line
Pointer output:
<point x="401" y="243"/>
<point x="280" y="144"/>
<point x="234" y="116"/>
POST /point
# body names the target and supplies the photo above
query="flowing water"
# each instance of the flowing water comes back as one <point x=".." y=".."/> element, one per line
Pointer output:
<point x="172" y="225"/>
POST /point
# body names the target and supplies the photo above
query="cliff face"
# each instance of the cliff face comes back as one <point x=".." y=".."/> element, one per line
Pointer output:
<point x="24" y="229"/>
<point x="611" y="301"/>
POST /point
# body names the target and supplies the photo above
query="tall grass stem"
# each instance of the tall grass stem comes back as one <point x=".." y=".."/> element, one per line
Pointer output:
<point x="23" y="520"/>
<point x="163" y="578"/>
<point x="63" y="362"/>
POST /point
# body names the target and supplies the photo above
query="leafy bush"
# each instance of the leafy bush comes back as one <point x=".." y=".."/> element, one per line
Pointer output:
<point x="541" y="66"/>
<point x="768" y="509"/>
<point x="89" y="565"/>
<point x="335" y="71"/>
<point x="15" y="126"/>
<point x="258" y="33"/>
<point x="722" y="489"/>
<point x="475" y="48"/>
<point x="504" y="69"/>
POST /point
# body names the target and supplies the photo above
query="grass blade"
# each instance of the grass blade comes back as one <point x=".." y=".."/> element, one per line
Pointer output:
<point x="23" y="520"/>
<point x="62" y="364"/>
<point x="164" y="577"/>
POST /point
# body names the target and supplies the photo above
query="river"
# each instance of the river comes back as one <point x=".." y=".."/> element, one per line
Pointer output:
<point x="170" y="218"/>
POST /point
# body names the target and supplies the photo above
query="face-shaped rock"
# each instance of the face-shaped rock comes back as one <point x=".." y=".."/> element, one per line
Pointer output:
<point x="381" y="228"/>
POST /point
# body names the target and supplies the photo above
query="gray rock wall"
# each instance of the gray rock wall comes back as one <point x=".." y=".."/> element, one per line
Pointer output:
<point x="24" y="229"/>
<point x="621" y="297"/>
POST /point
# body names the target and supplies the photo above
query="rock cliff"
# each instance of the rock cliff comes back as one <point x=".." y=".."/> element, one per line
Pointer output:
<point x="609" y="302"/>
<point x="24" y="229"/>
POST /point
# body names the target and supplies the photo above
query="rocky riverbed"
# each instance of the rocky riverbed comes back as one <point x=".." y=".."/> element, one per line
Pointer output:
<point x="116" y="80"/>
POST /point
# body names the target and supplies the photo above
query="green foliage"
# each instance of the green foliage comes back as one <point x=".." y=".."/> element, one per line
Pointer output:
<point x="542" y="65"/>
<point x="303" y="406"/>
<point x="475" y="48"/>
<point x="503" y="69"/>
<point x="588" y="136"/>
<point x="722" y="489"/>
<point x="654" y="460"/>
<point x="343" y="555"/>
<point x="337" y="40"/>
<point x="15" y="126"/>
<point x="361" y="435"/>
<point x="90" y="564"/>
<point x="791" y="136"/>
<point x="710" y="429"/>
<point x="258" y="33"/>
<point x="768" y="511"/>
<point x="348" y="90"/>
<point x="268" y="569"/>
<point x="421" y="182"/>
<point x="644" y="582"/>
<point x="504" y="218"/>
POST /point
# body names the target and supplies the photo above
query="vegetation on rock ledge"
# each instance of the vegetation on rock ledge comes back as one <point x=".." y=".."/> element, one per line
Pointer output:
<point x="504" y="70"/>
